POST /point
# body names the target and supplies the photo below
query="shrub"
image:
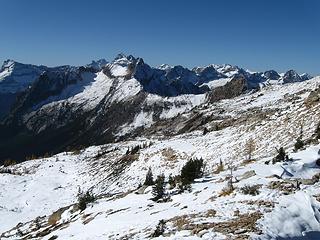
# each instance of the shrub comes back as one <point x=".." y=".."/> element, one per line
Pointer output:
<point x="205" y="131"/>
<point x="149" y="178"/>
<point x="172" y="181"/>
<point x="84" y="199"/>
<point x="32" y="157"/>
<point x="9" y="162"/>
<point x="158" y="190"/>
<point x="191" y="170"/>
<point x="220" y="167"/>
<point x="177" y="182"/>
<point x="299" y="144"/>
<point x="184" y="187"/>
<point x="76" y="151"/>
<point x="249" y="148"/>
<point x="159" y="229"/>
<point x="226" y="191"/>
<point x="251" y="190"/>
<point x="281" y="156"/>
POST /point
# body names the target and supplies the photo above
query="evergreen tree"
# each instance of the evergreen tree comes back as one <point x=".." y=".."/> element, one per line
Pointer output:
<point x="149" y="178"/>
<point x="158" y="189"/>
<point x="281" y="156"/>
<point x="159" y="229"/>
<point x="172" y="181"/>
<point x="84" y="199"/>
<point x="191" y="170"/>
<point x="299" y="144"/>
<point x="205" y="131"/>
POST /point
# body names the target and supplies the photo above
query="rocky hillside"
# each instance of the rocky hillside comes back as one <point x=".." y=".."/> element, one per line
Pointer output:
<point x="48" y="110"/>
<point x="260" y="149"/>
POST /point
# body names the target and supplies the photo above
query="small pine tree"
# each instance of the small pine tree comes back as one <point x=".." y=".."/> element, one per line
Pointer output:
<point x="158" y="190"/>
<point x="159" y="229"/>
<point x="149" y="178"/>
<point x="281" y="156"/>
<point x="84" y="199"/>
<point x="172" y="181"/>
<point x="135" y="150"/>
<point x="299" y="144"/>
<point x="205" y="131"/>
<point x="191" y="170"/>
<point x="128" y="151"/>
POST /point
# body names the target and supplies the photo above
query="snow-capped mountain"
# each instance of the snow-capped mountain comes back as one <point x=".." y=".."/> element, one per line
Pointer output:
<point x="14" y="78"/>
<point x="52" y="109"/>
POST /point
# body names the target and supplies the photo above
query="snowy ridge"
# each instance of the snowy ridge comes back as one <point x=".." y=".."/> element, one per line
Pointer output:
<point x="16" y="77"/>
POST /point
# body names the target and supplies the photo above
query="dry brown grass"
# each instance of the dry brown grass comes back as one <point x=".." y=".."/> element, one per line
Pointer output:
<point x="211" y="199"/>
<point x="219" y="169"/>
<point x="170" y="154"/>
<point x="247" y="161"/>
<point x="236" y="228"/>
<point x="54" y="218"/>
<point x="259" y="203"/>
<point x="209" y="213"/>
<point x="226" y="191"/>
<point x="181" y="222"/>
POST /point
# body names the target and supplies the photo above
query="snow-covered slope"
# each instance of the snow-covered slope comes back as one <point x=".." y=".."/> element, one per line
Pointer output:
<point x="272" y="117"/>
<point x="16" y="77"/>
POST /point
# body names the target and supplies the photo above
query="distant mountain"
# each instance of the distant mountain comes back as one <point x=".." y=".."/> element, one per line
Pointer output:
<point x="14" y="78"/>
<point x="48" y="109"/>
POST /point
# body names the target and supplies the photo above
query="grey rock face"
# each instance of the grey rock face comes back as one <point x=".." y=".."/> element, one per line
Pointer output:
<point x="291" y="76"/>
<point x="235" y="87"/>
<point x="15" y="78"/>
<point x="272" y="75"/>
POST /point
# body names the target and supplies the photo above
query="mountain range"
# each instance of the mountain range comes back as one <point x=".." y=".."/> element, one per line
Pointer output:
<point x="45" y="110"/>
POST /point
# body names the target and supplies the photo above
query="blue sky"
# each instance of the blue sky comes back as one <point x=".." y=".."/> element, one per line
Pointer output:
<point x="254" y="34"/>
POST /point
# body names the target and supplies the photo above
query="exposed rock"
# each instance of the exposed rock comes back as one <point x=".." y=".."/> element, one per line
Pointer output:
<point x="271" y="74"/>
<point x="291" y="76"/>
<point x="313" y="98"/>
<point x="234" y="88"/>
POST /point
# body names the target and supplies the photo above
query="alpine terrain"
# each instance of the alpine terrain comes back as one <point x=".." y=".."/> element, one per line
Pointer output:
<point x="123" y="150"/>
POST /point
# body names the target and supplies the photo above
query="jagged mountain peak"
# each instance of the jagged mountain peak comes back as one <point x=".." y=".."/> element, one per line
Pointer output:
<point x="272" y="75"/>
<point x="291" y="76"/>
<point x="8" y="63"/>
<point x="98" y="64"/>
<point x="305" y="76"/>
<point x="165" y="67"/>
<point x="121" y="57"/>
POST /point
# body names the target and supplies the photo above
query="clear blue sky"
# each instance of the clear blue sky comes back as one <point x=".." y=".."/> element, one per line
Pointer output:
<point x="254" y="34"/>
